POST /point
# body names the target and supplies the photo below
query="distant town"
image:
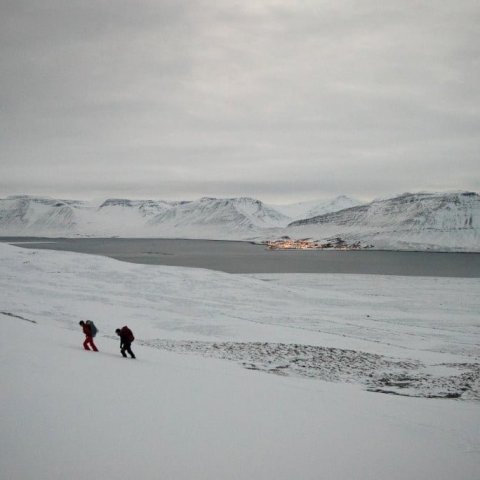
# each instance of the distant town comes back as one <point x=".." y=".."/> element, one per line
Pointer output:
<point x="287" y="243"/>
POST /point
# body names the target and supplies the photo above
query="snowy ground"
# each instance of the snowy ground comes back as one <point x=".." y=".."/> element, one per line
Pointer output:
<point x="199" y="404"/>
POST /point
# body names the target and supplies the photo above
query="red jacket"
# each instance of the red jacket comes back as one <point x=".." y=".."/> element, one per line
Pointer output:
<point x="87" y="330"/>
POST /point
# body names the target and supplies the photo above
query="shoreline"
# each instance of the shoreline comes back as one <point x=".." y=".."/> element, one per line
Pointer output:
<point x="43" y="239"/>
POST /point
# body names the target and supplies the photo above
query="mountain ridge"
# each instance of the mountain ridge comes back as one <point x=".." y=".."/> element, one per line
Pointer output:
<point x="411" y="220"/>
<point x="422" y="221"/>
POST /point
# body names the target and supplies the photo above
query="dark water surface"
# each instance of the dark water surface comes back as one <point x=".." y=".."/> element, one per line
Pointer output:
<point x="245" y="257"/>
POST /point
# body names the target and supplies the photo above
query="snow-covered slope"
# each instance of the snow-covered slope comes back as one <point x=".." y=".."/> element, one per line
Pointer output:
<point x="237" y="377"/>
<point x="26" y="215"/>
<point x="316" y="207"/>
<point x="115" y="207"/>
<point x="123" y="217"/>
<point x="220" y="217"/>
<point x="439" y="221"/>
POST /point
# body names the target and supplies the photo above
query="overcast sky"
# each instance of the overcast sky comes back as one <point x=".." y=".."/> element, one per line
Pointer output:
<point x="281" y="100"/>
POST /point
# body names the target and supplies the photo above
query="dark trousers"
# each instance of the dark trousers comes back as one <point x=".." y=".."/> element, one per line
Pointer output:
<point x="126" y="347"/>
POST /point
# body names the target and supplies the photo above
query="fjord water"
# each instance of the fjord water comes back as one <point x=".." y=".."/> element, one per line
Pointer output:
<point x="245" y="257"/>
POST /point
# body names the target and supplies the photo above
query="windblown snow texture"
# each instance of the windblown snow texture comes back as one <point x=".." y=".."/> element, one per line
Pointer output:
<point x="377" y="373"/>
<point x="311" y="346"/>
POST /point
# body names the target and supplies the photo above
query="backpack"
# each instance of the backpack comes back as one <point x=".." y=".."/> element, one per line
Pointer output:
<point x="93" y="328"/>
<point x="128" y="334"/>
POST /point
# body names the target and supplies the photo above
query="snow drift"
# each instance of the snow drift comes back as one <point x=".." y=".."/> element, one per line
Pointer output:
<point x="175" y="413"/>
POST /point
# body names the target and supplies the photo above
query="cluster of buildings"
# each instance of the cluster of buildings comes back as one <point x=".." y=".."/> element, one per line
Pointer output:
<point x="286" y="243"/>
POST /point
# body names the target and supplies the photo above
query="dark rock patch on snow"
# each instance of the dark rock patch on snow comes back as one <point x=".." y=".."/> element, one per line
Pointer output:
<point x="377" y="373"/>
<point x="9" y="314"/>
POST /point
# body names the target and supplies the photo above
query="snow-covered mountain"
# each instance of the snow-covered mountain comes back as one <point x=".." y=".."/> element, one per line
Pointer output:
<point x="124" y="217"/>
<point x="237" y="216"/>
<point x="226" y="218"/>
<point x="316" y="207"/>
<point x="146" y="208"/>
<point x="436" y="221"/>
<point x="25" y="215"/>
<point x="40" y="216"/>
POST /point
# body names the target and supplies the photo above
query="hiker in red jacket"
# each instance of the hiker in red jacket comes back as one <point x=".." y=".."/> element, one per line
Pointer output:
<point x="87" y="330"/>
<point x="126" y="339"/>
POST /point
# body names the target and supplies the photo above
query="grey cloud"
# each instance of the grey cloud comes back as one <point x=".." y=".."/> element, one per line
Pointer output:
<point x="241" y="97"/>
